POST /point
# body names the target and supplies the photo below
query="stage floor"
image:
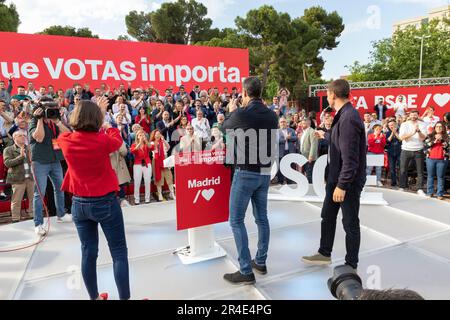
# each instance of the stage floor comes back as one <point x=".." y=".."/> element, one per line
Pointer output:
<point x="403" y="245"/>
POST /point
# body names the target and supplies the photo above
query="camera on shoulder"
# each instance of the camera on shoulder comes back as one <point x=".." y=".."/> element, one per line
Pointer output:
<point x="50" y="107"/>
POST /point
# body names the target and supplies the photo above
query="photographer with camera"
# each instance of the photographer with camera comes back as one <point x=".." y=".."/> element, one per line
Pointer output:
<point x="345" y="284"/>
<point x="46" y="157"/>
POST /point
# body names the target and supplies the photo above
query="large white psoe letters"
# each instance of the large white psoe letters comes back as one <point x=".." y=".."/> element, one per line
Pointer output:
<point x="300" y="191"/>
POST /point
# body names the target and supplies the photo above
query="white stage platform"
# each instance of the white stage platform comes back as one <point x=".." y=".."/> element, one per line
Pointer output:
<point x="405" y="244"/>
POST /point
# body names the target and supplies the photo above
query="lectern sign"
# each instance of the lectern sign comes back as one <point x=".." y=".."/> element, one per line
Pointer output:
<point x="203" y="189"/>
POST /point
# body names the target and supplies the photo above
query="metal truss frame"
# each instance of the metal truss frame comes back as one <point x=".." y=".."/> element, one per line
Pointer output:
<point x="313" y="89"/>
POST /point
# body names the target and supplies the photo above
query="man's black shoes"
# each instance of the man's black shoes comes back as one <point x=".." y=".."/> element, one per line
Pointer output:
<point x="258" y="268"/>
<point x="239" y="278"/>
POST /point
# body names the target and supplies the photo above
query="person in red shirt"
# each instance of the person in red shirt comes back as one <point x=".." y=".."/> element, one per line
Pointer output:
<point x="437" y="153"/>
<point x="142" y="166"/>
<point x="93" y="183"/>
<point x="376" y="142"/>
<point x="143" y="120"/>
<point x="160" y="147"/>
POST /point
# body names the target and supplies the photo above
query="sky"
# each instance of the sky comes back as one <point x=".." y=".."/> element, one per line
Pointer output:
<point x="365" y="21"/>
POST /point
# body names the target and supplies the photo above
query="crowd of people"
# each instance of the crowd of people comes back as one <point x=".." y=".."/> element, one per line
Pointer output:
<point x="155" y="124"/>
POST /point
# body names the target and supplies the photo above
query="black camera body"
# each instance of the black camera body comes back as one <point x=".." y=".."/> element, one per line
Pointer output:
<point x="51" y="110"/>
<point x="345" y="284"/>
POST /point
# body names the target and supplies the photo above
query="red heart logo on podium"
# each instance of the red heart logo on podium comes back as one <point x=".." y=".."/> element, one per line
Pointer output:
<point x="208" y="194"/>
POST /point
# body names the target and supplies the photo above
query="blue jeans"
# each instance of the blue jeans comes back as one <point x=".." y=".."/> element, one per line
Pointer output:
<point x="248" y="186"/>
<point x="436" y="168"/>
<point x="55" y="173"/>
<point x="394" y="165"/>
<point x="87" y="214"/>
<point x="377" y="169"/>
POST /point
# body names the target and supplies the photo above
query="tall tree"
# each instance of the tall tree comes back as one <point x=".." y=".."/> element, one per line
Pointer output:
<point x="69" y="32"/>
<point x="9" y="17"/>
<point x="284" y="50"/>
<point x="181" y="22"/>
<point x="398" y="57"/>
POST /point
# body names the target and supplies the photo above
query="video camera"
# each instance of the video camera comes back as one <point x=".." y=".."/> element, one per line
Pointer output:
<point x="50" y="107"/>
<point x="345" y="284"/>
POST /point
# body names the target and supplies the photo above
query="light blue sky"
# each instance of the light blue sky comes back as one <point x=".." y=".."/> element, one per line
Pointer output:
<point x="365" y="21"/>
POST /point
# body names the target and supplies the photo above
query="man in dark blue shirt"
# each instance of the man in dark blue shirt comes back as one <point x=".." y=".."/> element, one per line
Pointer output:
<point x="346" y="176"/>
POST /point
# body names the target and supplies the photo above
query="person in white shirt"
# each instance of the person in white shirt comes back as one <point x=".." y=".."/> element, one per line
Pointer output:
<point x="116" y="106"/>
<point x="201" y="127"/>
<point x="126" y="119"/>
<point x="97" y="95"/>
<point x="400" y="107"/>
<point x="190" y="142"/>
<point x="33" y="94"/>
<point x="412" y="133"/>
<point x="430" y="119"/>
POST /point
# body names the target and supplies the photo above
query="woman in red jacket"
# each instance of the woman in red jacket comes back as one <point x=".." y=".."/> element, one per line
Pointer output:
<point x="142" y="166"/>
<point x="375" y="145"/>
<point x="160" y="147"/>
<point x="93" y="183"/>
<point x="143" y="120"/>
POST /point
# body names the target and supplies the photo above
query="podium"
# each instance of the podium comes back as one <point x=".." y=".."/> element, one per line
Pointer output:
<point x="202" y="246"/>
<point x="203" y="191"/>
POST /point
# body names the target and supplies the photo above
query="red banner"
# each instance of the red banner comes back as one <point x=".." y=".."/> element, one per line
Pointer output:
<point x="415" y="97"/>
<point x="63" y="61"/>
<point x="203" y="189"/>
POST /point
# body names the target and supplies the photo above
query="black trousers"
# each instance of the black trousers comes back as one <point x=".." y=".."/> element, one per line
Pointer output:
<point x="406" y="158"/>
<point x="308" y="167"/>
<point x="350" y="220"/>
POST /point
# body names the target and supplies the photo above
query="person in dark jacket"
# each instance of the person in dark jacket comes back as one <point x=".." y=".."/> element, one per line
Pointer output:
<point x="346" y="176"/>
<point x="287" y="140"/>
<point x="254" y="126"/>
<point x="394" y="150"/>
<point x="380" y="108"/>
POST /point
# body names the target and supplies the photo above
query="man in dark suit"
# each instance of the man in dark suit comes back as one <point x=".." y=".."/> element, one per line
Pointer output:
<point x="346" y="176"/>
<point x="254" y="126"/>
<point x="287" y="140"/>
<point x="195" y="93"/>
<point x="380" y="109"/>
<point x="166" y="127"/>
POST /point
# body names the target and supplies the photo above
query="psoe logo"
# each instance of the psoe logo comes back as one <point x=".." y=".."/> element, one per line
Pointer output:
<point x="206" y="193"/>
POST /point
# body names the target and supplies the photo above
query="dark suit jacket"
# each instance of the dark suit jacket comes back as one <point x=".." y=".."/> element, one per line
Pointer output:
<point x="164" y="130"/>
<point x="291" y="142"/>
<point x="377" y="110"/>
<point x="255" y="118"/>
<point x="348" y="149"/>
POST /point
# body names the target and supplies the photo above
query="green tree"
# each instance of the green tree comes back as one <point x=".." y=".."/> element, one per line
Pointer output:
<point x="9" y="17"/>
<point x="180" y="22"/>
<point x="398" y="57"/>
<point x="69" y="32"/>
<point x="123" y="37"/>
<point x="284" y="50"/>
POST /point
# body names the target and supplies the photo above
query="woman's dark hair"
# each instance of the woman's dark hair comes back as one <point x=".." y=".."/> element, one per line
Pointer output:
<point x="447" y="117"/>
<point x="86" y="116"/>
<point x="444" y="132"/>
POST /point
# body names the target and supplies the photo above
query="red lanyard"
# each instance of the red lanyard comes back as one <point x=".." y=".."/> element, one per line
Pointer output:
<point x="52" y="127"/>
